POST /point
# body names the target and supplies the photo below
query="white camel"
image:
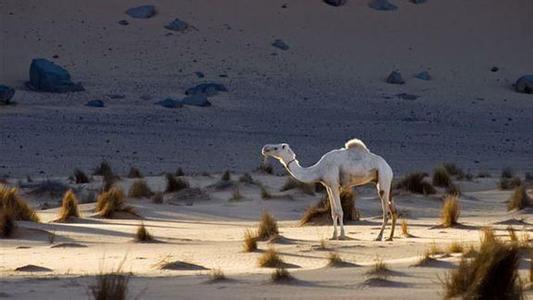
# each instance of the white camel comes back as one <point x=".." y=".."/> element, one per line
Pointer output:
<point x="339" y="169"/>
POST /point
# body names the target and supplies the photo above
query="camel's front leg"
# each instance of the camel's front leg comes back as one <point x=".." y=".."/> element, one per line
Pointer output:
<point x="338" y="210"/>
<point x="333" y="214"/>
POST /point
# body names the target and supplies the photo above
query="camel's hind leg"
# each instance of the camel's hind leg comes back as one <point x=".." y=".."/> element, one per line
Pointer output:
<point x="392" y="209"/>
<point x="332" y="205"/>
<point x="385" y="215"/>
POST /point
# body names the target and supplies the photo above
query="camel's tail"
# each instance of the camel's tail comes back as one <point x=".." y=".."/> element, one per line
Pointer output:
<point x="357" y="144"/>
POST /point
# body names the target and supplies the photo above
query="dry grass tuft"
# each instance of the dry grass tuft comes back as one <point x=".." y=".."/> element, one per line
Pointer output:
<point x="13" y="205"/>
<point x="424" y="260"/>
<point x="334" y="259"/>
<point x="270" y="259"/>
<point x="236" y="195"/>
<point x="157" y="198"/>
<point x="323" y="209"/>
<point x="450" y="211"/>
<point x="216" y="274"/>
<point x="509" y="183"/>
<point x="179" y="172"/>
<point x="226" y="176"/>
<point x="69" y="207"/>
<point x="142" y="235"/>
<point x="415" y="183"/>
<point x="435" y="250"/>
<point x="80" y="176"/>
<point x="7" y="225"/>
<point x="453" y="170"/>
<point x="292" y="183"/>
<point x="379" y="269"/>
<point x="104" y="169"/>
<point x="111" y="286"/>
<point x="247" y="178"/>
<point x="492" y="273"/>
<point x="519" y="200"/>
<point x="488" y="237"/>
<point x="134" y="173"/>
<point x="405" y="229"/>
<point x="512" y="234"/>
<point x="323" y="245"/>
<point x="268" y="227"/>
<point x="456" y="247"/>
<point x="175" y="184"/>
<point x="507" y="173"/>
<point x="140" y="189"/>
<point x="281" y="275"/>
<point x="441" y="177"/>
<point x="266" y="168"/>
<point x="264" y="193"/>
<point x="453" y="189"/>
<point x="110" y="202"/>
<point x="250" y="241"/>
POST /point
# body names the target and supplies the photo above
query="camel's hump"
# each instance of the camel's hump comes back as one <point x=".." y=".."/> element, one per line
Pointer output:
<point x="356" y="144"/>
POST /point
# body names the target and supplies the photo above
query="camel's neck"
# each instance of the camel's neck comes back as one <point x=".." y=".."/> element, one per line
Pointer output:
<point x="307" y="175"/>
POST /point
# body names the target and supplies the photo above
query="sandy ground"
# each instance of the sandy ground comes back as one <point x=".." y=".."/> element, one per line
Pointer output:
<point x="329" y="86"/>
<point x="209" y="234"/>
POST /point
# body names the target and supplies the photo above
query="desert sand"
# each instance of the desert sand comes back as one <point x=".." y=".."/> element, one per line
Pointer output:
<point x="209" y="233"/>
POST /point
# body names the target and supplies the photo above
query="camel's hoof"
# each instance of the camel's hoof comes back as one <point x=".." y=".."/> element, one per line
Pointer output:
<point x="343" y="237"/>
<point x="389" y="239"/>
<point x="378" y="239"/>
<point x="333" y="238"/>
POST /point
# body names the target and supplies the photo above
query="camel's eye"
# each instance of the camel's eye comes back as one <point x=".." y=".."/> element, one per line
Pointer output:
<point x="283" y="147"/>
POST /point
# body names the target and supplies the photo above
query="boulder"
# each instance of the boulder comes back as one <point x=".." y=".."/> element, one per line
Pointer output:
<point x="169" y="103"/>
<point x="49" y="77"/>
<point x="95" y="103"/>
<point x="335" y="2"/>
<point x="382" y="5"/>
<point x="524" y="84"/>
<point x="177" y="25"/>
<point x="6" y="93"/>
<point x="141" y="12"/>
<point x="395" y="78"/>
<point x="196" y="100"/>
<point x="424" y="75"/>
<point x="280" y="44"/>
<point x="123" y="22"/>
<point x="206" y="89"/>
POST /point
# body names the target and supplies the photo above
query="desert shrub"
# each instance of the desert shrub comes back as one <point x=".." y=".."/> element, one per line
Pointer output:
<point x="379" y="268"/>
<point x="270" y="259"/>
<point x="519" y="199"/>
<point x="134" y="173"/>
<point x="111" y="286"/>
<point x="268" y="227"/>
<point x="247" y="178"/>
<point x="322" y="209"/>
<point x="441" y="177"/>
<point x="415" y="183"/>
<point x="250" y="241"/>
<point x="11" y="203"/>
<point x="456" y="247"/>
<point x="140" y="189"/>
<point x="334" y="259"/>
<point x="112" y="201"/>
<point x="453" y="170"/>
<point x="179" y="172"/>
<point x="292" y="183"/>
<point x="217" y="274"/>
<point x="157" y="198"/>
<point x="507" y="173"/>
<point x="69" y="207"/>
<point x="435" y="250"/>
<point x="226" y="176"/>
<point x="492" y="273"/>
<point x="7" y="225"/>
<point x="175" y="184"/>
<point x="142" y="234"/>
<point x="450" y="211"/>
<point x="80" y="177"/>
<point x="103" y="169"/>
<point x="509" y="183"/>
<point x="236" y="195"/>
<point x="281" y="275"/>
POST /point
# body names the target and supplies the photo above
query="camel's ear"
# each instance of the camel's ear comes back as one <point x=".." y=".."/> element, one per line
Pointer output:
<point x="283" y="146"/>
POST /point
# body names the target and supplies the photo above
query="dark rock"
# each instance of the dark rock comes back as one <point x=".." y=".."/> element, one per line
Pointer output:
<point x="405" y="96"/>
<point x="206" y="89"/>
<point x="116" y="96"/>
<point x="524" y="84"/>
<point x="494" y="69"/>
<point x="123" y="22"/>
<point x="335" y="2"/>
<point x="6" y="93"/>
<point x="424" y="75"/>
<point x="395" y="78"/>
<point x="382" y="5"/>
<point x="170" y="103"/>
<point x="177" y="25"/>
<point x="49" y="77"/>
<point x="95" y="103"/>
<point x="418" y="1"/>
<point x="280" y="44"/>
<point x="284" y="5"/>
<point x="196" y="100"/>
<point x="141" y="12"/>
<point x="199" y="74"/>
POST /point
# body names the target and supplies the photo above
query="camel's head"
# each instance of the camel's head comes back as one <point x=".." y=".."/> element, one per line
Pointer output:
<point x="278" y="151"/>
